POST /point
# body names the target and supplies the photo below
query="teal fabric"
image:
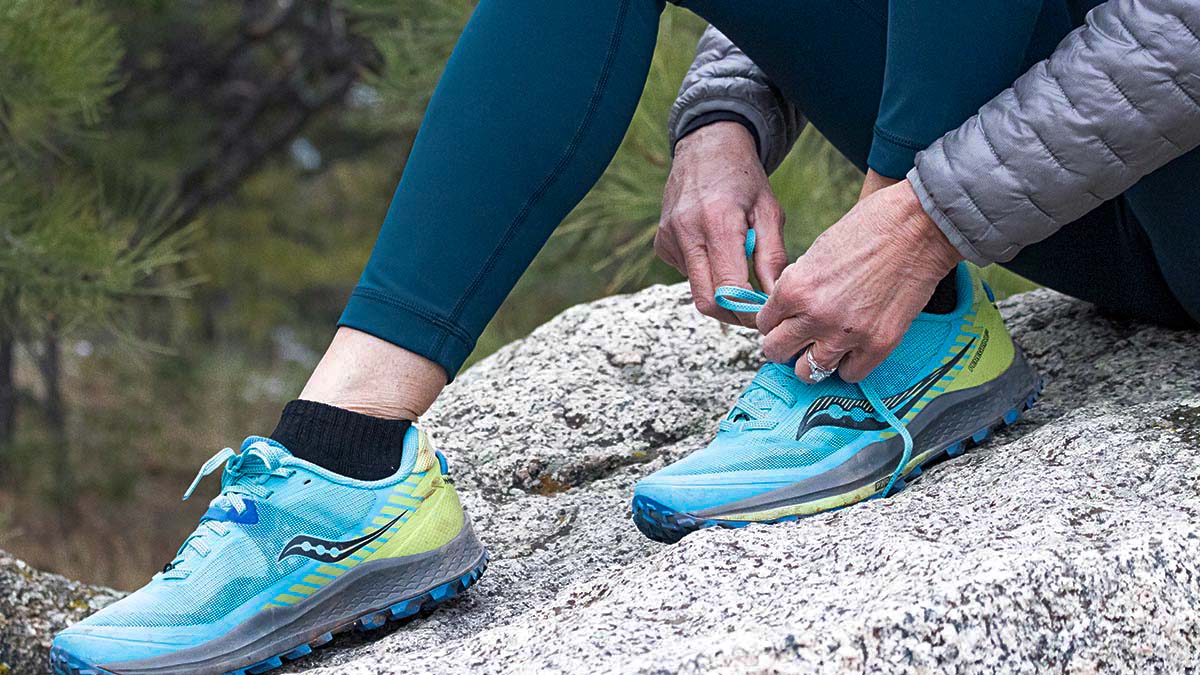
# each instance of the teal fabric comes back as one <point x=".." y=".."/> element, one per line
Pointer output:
<point x="529" y="111"/>
<point x="538" y="94"/>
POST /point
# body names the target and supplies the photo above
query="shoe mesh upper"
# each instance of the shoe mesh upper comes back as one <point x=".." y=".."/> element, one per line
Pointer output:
<point x="244" y="562"/>
<point x="775" y="449"/>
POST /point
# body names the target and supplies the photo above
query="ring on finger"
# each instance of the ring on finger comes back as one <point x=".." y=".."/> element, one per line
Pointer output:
<point x="818" y="372"/>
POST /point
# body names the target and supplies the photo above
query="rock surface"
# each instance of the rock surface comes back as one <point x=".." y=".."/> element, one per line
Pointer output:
<point x="1069" y="543"/>
<point x="33" y="607"/>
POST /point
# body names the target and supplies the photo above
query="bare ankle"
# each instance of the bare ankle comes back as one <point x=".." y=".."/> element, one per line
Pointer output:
<point x="367" y="375"/>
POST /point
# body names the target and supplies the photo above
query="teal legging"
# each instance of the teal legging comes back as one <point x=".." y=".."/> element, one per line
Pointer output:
<point x="538" y="94"/>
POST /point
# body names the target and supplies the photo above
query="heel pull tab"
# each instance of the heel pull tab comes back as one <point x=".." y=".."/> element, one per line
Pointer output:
<point x="442" y="463"/>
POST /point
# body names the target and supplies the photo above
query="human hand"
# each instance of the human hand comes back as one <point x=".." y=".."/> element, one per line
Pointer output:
<point x="851" y="297"/>
<point x="716" y="191"/>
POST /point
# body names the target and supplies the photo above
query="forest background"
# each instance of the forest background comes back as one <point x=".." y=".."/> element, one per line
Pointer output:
<point x="188" y="192"/>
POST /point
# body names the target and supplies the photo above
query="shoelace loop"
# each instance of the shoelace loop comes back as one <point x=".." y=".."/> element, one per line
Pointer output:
<point x="245" y="476"/>
<point x="749" y="301"/>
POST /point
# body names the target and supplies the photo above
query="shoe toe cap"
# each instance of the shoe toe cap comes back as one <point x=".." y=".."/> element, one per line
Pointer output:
<point x="693" y="494"/>
<point x="94" y="646"/>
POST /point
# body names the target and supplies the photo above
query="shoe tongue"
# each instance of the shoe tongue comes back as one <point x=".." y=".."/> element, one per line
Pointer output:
<point x="759" y="397"/>
<point x="274" y="444"/>
<point x="263" y="451"/>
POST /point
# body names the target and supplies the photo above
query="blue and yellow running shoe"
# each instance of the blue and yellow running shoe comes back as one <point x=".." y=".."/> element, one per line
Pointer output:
<point x="790" y="449"/>
<point x="287" y="555"/>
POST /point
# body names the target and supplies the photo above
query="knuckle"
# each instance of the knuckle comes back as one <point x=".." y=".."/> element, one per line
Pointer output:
<point x="801" y="371"/>
<point x="881" y="344"/>
<point x="717" y="213"/>
<point x="729" y="278"/>
<point x="822" y="312"/>
<point x="681" y="216"/>
<point x="777" y="255"/>
<point x="772" y="211"/>
<point x="660" y="244"/>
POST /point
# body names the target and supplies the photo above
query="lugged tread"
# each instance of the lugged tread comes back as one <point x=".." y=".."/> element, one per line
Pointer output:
<point x="63" y="663"/>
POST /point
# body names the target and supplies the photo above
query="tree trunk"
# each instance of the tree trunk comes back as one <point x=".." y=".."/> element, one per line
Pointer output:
<point x="8" y="366"/>
<point x="8" y="392"/>
<point x="56" y="418"/>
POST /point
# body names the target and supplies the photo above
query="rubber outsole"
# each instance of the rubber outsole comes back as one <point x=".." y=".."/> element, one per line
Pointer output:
<point x="65" y="663"/>
<point x="661" y="524"/>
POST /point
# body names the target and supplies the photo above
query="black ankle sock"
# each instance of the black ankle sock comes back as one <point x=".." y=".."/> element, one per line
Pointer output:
<point x="347" y="443"/>
<point x="945" y="296"/>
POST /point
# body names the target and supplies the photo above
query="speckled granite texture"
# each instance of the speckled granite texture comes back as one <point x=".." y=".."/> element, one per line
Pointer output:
<point x="1069" y="543"/>
<point x="33" y="607"/>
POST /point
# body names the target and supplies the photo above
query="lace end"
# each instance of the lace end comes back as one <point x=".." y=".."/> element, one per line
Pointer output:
<point x="207" y="468"/>
<point x="888" y="416"/>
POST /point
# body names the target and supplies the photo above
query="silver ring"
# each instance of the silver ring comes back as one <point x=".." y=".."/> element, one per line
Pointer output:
<point x="818" y="371"/>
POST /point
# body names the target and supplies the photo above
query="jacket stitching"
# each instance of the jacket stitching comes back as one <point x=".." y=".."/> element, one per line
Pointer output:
<point x="566" y="157"/>
<point x="995" y="153"/>
<point x="1049" y="151"/>
<point x="1029" y="198"/>
<point x="1132" y="35"/>
<point x="975" y="205"/>
<point x="992" y="231"/>
<point x="1185" y="92"/>
<point x="1188" y="28"/>
<point x="1111" y="151"/>
<point x="1135" y="106"/>
<point x="1132" y="103"/>
<point x="1062" y="90"/>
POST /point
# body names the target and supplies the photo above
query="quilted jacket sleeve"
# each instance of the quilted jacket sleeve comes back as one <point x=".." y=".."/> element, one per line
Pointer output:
<point x="722" y="79"/>
<point x="1119" y="98"/>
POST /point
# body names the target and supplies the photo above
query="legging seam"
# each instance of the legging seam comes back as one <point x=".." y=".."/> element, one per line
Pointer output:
<point x="446" y="326"/>
<point x="568" y="154"/>
<point x="897" y="140"/>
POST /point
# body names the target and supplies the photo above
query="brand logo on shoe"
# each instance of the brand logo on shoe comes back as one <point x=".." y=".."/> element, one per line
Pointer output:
<point x="979" y="352"/>
<point x="854" y="413"/>
<point x="325" y="550"/>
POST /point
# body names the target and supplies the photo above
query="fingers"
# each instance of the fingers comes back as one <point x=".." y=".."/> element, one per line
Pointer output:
<point x="786" y="302"/>
<point x="667" y="249"/>
<point x="859" y="363"/>
<point x="770" y="255"/>
<point x="825" y="355"/>
<point x="729" y="268"/>
<point x="789" y="338"/>
<point x="699" y="274"/>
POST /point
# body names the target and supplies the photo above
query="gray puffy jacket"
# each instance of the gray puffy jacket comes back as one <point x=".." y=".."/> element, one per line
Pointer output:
<point x="1118" y="98"/>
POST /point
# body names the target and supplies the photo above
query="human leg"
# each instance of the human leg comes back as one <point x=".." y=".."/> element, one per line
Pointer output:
<point x="351" y="521"/>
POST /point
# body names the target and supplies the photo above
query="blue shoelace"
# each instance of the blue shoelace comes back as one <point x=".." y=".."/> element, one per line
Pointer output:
<point x="778" y="379"/>
<point x="246" y="475"/>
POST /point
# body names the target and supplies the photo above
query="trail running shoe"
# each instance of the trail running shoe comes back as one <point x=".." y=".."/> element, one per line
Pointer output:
<point x="790" y="449"/>
<point x="285" y="556"/>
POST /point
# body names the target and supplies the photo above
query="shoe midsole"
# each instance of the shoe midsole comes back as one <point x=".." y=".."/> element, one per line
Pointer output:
<point x="947" y="419"/>
<point x="370" y="587"/>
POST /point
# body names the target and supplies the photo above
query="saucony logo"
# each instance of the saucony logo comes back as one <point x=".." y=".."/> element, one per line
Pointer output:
<point x="325" y="550"/>
<point x="857" y="414"/>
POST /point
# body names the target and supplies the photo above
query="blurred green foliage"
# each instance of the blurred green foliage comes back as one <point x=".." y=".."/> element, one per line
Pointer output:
<point x="189" y="190"/>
